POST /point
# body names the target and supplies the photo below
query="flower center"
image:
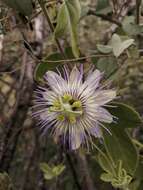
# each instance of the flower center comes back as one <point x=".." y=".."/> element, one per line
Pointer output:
<point x="68" y="108"/>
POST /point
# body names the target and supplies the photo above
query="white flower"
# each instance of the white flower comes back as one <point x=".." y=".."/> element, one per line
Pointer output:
<point x="73" y="106"/>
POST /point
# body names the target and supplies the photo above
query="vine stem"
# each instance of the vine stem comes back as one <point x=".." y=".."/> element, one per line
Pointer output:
<point x="106" y="158"/>
<point x="138" y="3"/>
<point x="137" y="143"/>
<point x="43" y="7"/>
<point x="74" y="174"/>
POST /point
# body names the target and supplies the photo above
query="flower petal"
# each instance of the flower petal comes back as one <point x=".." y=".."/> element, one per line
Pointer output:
<point x="93" y="79"/>
<point x="104" y="116"/>
<point x="89" y="86"/>
<point x="56" y="82"/>
<point x="75" y="138"/>
<point x="104" y="96"/>
<point x="96" y="131"/>
<point x="75" y="78"/>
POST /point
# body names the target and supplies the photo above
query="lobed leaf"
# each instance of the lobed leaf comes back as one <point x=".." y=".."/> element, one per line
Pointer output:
<point x="119" y="46"/>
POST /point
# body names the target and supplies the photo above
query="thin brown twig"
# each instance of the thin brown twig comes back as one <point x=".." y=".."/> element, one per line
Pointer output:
<point x="104" y="17"/>
<point x="42" y="4"/>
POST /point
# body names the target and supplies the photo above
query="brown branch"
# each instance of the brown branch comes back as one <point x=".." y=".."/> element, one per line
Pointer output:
<point x="138" y="4"/>
<point x="87" y="183"/>
<point x="16" y="121"/>
<point x="126" y="6"/>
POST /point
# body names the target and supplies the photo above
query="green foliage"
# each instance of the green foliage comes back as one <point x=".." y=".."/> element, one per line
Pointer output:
<point x="120" y="160"/>
<point x="115" y="46"/>
<point x="120" y="147"/>
<point x="106" y="49"/>
<point x="118" y="45"/>
<point x="24" y="6"/>
<point x="103" y="7"/>
<point x="46" y="65"/>
<point x="68" y="18"/>
<point x="50" y="62"/>
<point x="51" y="172"/>
<point x="126" y="116"/>
<point x="108" y="66"/>
<point x="130" y="27"/>
<point x="120" y="180"/>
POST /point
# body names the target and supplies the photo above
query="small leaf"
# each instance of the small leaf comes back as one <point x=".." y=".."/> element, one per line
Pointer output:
<point x="62" y="22"/>
<point x="119" y="46"/>
<point x="107" y="177"/>
<point x="104" y="49"/>
<point x="57" y="170"/>
<point x="48" y="173"/>
<point x="68" y="18"/>
<point x="103" y="7"/>
<point x="24" y="6"/>
<point x="130" y="27"/>
<point x="51" y="172"/>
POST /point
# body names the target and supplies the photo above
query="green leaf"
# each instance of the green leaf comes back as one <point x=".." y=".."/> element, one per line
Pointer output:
<point x="140" y="187"/>
<point x="107" y="65"/>
<point x="68" y="18"/>
<point x="51" y="172"/>
<point x="139" y="171"/>
<point x="46" y="65"/>
<point x="127" y="117"/>
<point x="62" y="22"/>
<point x="24" y="6"/>
<point x="103" y="7"/>
<point x="134" y="185"/>
<point x="119" y="46"/>
<point x="57" y="170"/>
<point x="107" y="177"/>
<point x="105" y="164"/>
<point x="48" y="173"/>
<point x="120" y="147"/>
<point x="106" y="49"/>
<point x="130" y="27"/>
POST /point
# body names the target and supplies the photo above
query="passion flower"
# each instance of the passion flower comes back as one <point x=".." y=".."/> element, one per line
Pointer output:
<point x="73" y="106"/>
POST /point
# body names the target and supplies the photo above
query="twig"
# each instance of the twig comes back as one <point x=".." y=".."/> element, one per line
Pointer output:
<point x="6" y="151"/>
<point x="104" y="17"/>
<point x="42" y="4"/>
<point x="1" y="46"/>
<point x="138" y="3"/>
<point x="76" y="59"/>
<point x="129" y="4"/>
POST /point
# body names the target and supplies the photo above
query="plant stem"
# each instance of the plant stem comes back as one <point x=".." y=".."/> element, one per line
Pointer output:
<point x="74" y="174"/>
<point x="138" y="3"/>
<point x="106" y="158"/>
<point x="138" y="143"/>
<point x="42" y="5"/>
